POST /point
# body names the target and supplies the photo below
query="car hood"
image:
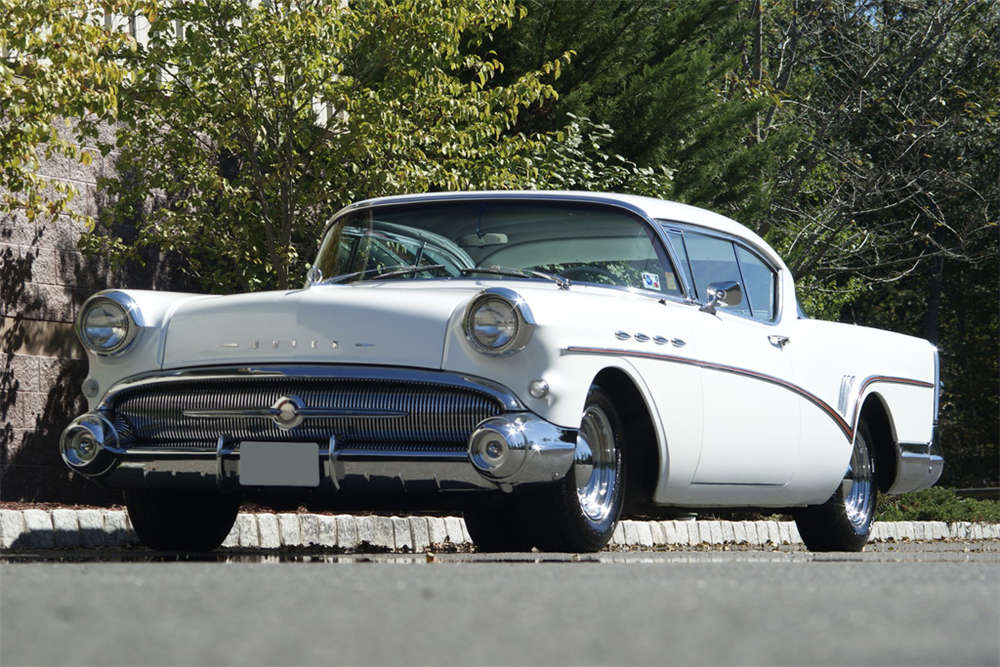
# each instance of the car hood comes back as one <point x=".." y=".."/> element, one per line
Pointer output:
<point x="382" y="324"/>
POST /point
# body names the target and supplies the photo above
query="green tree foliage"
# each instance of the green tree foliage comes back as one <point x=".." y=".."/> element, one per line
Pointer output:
<point x="663" y="80"/>
<point x="888" y="212"/>
<point x="55" y="76"/>
<point x="896" y="103"/>
<point x="246" y="126"/>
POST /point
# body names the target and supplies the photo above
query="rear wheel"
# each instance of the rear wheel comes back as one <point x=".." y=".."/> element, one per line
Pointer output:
<point x="844" y="522"/>
<point x="172" y="520"/>
<point x="580" y="512"/>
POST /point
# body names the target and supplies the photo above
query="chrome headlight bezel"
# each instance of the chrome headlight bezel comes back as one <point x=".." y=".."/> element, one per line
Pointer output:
<point x="126" y="316"/>
<point x="518" y="315"/>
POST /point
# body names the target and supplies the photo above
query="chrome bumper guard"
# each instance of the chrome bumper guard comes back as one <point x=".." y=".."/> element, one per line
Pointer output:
<point x="918" y="466"/>
<point x="503" y="452"/>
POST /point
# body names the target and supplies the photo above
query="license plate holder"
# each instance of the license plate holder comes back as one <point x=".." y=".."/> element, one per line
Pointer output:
<point x="279" y="463"/>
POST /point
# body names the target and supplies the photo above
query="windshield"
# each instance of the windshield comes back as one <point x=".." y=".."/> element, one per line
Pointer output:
<point x="506" y="239"/>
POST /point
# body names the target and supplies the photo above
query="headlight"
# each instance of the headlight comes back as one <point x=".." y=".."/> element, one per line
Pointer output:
<point x="108" y="323"/>
<point x="498" y="322"/>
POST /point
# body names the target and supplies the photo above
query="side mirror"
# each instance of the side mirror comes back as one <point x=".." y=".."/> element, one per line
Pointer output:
<point x="728" y="293"/>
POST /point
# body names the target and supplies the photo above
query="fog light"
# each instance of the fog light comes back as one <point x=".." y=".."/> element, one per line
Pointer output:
<point x="84" y="442"/>
<point x="488" y="450"/>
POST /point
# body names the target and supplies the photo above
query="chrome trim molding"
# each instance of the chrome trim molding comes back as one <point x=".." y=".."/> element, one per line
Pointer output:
<point x="847" y="428"/>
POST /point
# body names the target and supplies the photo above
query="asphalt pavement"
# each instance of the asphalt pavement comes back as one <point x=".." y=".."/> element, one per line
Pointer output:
<point x="912" y="603"/>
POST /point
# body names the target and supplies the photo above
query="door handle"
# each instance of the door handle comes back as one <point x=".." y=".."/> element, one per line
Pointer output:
<point x="779" y="341"/>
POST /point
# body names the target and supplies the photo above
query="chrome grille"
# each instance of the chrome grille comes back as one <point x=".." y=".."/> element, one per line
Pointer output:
<point x="438" y="417"/>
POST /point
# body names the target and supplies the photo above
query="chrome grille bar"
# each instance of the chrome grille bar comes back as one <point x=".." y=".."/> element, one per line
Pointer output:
<point x="362" y="413"/>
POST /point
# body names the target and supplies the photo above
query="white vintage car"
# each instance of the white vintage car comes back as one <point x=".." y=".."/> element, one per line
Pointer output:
<point x="545" y="362"/>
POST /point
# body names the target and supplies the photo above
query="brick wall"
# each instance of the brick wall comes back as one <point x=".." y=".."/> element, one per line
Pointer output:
<point x="44" y="279"/>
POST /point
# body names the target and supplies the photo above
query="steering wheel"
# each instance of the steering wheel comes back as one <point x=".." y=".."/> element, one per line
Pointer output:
<point x="584" y="270"/>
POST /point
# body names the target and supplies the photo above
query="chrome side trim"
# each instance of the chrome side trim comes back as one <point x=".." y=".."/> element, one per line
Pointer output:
<point x="847" y="428"/>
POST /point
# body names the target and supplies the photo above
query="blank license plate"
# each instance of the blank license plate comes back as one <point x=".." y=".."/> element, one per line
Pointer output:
<point x="279" y="464"/>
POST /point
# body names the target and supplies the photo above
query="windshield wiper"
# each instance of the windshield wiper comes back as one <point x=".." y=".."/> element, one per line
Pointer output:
<point x="515" y="272"/>
<point x="386" y="272"/>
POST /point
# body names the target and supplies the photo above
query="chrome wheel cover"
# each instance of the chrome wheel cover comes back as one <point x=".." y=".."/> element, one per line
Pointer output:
<point x="596" y="466"/>
<point x="857" y="486"/>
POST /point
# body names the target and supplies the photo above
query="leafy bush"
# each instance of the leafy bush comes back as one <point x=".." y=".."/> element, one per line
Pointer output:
<point x="936" y="504"/>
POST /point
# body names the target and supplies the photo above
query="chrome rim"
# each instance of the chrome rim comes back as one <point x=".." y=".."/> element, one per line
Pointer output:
<point x="857" y="485"/>
<point x="596" y="465"/>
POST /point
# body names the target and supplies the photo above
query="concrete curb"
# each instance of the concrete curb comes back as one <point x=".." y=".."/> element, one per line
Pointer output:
<point x="92" y="528"/>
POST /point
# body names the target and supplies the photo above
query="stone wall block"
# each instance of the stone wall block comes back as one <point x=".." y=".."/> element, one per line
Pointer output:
<point x="91" y="528"/>
<point x="233" y="538"/>
<point x="78" y="270"/>
<point x="16" y="229"/>
<point x="683" y="534"/>
<point x="44" y="265"/>
<point x="420" y="532"/>
<point x="631" y="533"/>
<point x="12" y="415"/>
<point x="402" y="534"/>
<point x="267" y="528"/>
<point x="66" y="528"/>
<point x="656" y="531"/>
<point x="60" y="234"/>
<point x="437" y="531"/>
<point x="376" y="531"/>
<point x="455" y="528"/>
<point x="248" y="535"/>
<point x="117" y="528"/>
<point x="618" y="536"/>
<point x="289" y="530"/>
<point x="24" y="370"/>
<point x="644" y="533"/>
<point x="39" y="533"/>
<point x="12" y="528"/>
<point x="347" y="532"/>
<point x="52" y="303"/>
<point x="85" y="203"/>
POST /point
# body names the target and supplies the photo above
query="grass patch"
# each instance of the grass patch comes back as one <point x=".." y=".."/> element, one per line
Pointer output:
<point x="936" y="504"/>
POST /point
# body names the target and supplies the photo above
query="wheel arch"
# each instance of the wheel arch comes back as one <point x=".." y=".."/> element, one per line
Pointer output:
<point x="641" y="450"/>
<point x="876" y="414"/>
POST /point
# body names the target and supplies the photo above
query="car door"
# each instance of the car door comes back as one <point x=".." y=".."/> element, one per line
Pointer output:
<point x="750" y="418"/>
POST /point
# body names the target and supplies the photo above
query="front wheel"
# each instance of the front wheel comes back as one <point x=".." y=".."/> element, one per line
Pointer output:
<point x="844" y="522"/>
<point x="580" y="512"/>
<point x="172" y="520"/>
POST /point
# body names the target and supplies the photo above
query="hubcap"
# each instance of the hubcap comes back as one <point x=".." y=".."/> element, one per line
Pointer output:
<point x="857" y="485"/>
<point x="596" y="465"/>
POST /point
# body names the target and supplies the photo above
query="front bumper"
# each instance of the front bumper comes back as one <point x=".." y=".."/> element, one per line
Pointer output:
<point x="502" y="451"/>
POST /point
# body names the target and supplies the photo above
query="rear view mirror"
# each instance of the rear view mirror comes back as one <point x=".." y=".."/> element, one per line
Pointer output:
<point x="727" y="293"/>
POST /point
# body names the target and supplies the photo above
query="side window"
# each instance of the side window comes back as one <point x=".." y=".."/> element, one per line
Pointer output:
<point x="760" y="282"/>
<point x="707" y="259"/>
<point x="684" y="265"/>
<point x="713" y="260"/>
